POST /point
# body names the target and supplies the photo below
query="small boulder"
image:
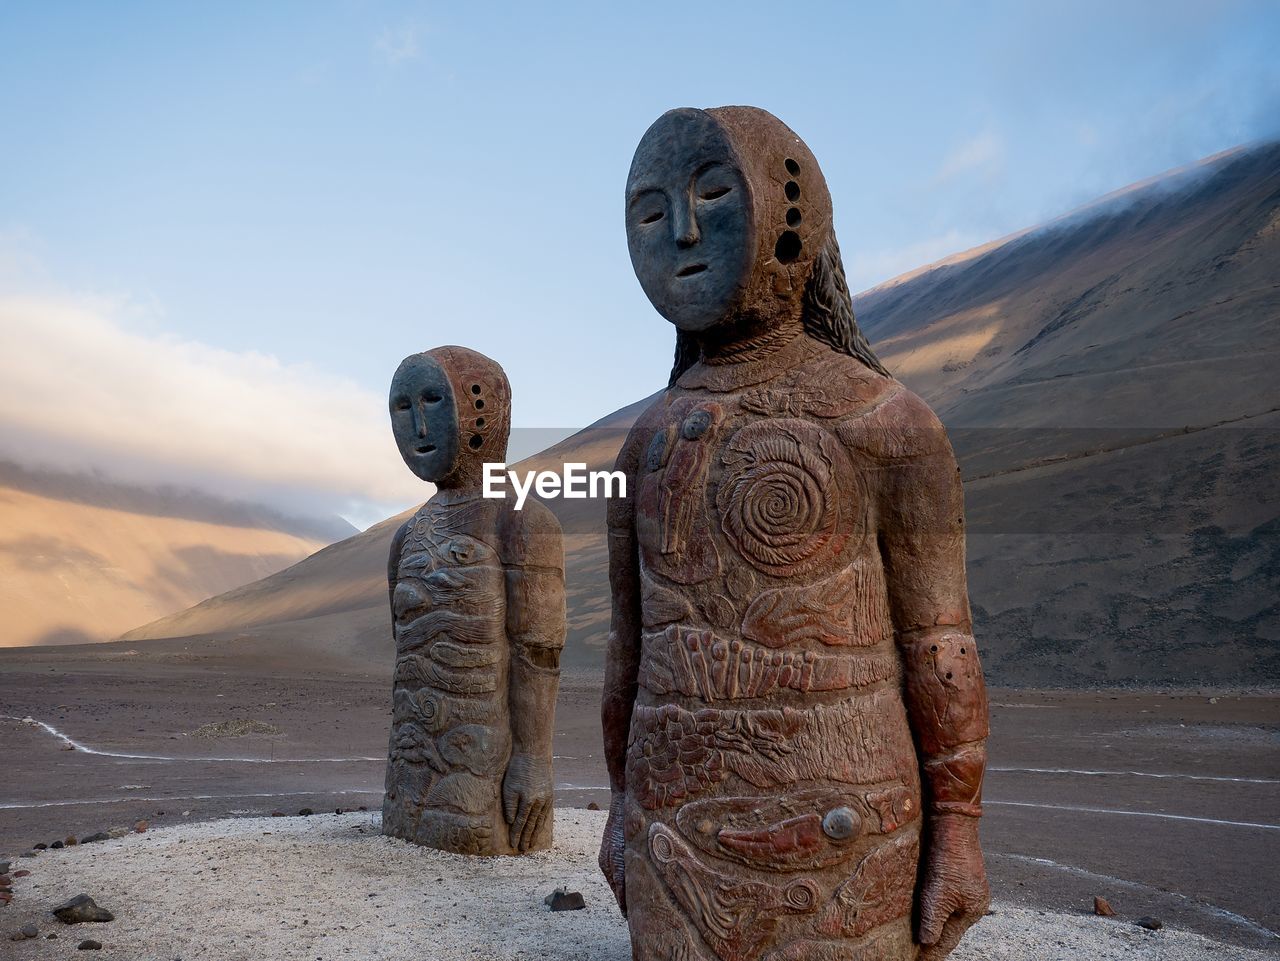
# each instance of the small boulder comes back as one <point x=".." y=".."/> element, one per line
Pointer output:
<point x="1150" y="923"/>
<point x="277" y="814"/>
<point x="1102" y="908"/>
<point x="55" y="845"/>
<point x="70" y="841"/>
<point x="88" y="944"/>
<point x="117" y="832"/>
<point x="96" y="837"/>
<point x="306" y="813"/>
<point x="39" y="847"/>
<point x="562" y="900"/>
<point x="140" y="827"/>
<point x="30" y="930"/>
<point x="81" y="909"/>
<point x="4" y="867"/>
<point x="593" y="806"/>
<point x="21" y="874"/>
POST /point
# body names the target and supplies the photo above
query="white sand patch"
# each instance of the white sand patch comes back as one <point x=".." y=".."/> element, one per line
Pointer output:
<point x="330" y="887"/>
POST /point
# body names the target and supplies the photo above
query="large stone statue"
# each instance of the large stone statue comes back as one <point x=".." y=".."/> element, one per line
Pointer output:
<point x="477" y="606"/>
<point x="794" y="713"/>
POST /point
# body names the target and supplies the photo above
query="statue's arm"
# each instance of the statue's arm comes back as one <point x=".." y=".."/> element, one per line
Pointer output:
<point x="535" y="628"/>
<point x="922" y="540"/>
<point x="393" y="568"/>
<point x="622" y="661"/>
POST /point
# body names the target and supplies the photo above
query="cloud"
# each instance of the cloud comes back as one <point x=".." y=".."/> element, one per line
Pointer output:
<point x="398" y="45"/>
<point x="983" y="154"/>
<point x="79" y="390"/>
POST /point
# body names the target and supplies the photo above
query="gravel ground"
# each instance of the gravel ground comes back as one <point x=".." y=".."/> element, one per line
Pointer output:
<point x="330" y="887"/>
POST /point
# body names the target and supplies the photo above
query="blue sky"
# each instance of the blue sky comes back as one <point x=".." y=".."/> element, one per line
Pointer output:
<point x="320" y="188"/>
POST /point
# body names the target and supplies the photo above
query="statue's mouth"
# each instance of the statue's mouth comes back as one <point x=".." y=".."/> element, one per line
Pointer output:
<point x="691" y="270"/>
<point x="425" y="448"/>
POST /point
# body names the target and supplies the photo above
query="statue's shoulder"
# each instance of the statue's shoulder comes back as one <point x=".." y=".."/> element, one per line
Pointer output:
<point x="396" y="547"/>
<point x="898" y="425"/>
<point x="652" y="418"/>
<point x="532" y="535"/>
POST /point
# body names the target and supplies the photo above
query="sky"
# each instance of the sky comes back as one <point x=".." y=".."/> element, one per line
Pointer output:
<point x="222" y="225"/>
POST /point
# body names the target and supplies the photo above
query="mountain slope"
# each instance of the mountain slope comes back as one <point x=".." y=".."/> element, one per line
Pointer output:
<point x="82" y="559"/>
<point x="1106" y="380"/>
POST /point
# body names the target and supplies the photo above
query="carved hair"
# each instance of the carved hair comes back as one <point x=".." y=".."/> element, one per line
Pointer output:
<point x="827" y="316"/>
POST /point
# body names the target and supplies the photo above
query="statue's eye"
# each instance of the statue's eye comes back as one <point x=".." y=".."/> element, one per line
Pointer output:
<point x="432" y="398"/>
<point x="714" y="193"/>
<point x="402" y="404"/>
<point x="652" y="218"/>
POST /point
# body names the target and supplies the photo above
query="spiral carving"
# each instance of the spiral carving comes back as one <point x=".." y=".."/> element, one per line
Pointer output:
<point x="432" y="711"/>
<point x="661" y="846"/>
<point x="801" y="896"/>
<point x="778" y="502"/>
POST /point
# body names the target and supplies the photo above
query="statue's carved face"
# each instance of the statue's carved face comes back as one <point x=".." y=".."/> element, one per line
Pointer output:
<point x="689" y="224"/>
<point x="424" y="418"/>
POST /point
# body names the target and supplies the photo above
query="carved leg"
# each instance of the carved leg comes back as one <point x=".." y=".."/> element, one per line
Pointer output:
<point x="659" y="930"/>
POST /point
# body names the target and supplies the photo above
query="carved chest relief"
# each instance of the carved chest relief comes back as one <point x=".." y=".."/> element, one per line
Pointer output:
<point x="754" y="537"/>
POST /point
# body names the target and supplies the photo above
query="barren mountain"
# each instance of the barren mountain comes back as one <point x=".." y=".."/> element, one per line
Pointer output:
<point x="1108" y="381"/>
<point x="82" y="559"/>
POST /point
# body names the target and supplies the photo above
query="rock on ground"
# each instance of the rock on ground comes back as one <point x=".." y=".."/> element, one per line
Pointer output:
<point x="330" y="886"/>
<point x="236" y="727"/>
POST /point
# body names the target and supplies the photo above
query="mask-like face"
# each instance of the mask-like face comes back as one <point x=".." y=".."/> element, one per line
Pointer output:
<point x="689" y="220"/>
<point x="424" y="418"/>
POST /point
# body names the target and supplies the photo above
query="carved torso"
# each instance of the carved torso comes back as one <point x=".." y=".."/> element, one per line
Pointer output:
<point x="450" y="737"/>
<point x="773" y="790"/>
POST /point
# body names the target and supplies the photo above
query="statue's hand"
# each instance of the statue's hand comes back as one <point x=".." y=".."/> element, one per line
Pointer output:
<point x="526" y="798"/>
<point x="612" y="846"/>
<point x="954" y="893"/>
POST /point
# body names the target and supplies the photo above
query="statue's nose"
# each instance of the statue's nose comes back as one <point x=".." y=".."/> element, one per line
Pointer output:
<point x="686" y="225"/>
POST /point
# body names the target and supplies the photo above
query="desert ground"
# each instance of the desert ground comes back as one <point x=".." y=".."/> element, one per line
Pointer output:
<point x="306" y="873"/>
<point x="1165" y="804"/>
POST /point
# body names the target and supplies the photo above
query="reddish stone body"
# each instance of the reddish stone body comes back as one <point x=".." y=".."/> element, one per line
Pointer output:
<point x="793" y="685"/>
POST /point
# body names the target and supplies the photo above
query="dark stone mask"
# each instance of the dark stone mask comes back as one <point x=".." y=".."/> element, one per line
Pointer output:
<point x="450" y="413"/>
<point x="726" y="211"/>
<point x="424" y="418"/>
<point x="689" y="223"/>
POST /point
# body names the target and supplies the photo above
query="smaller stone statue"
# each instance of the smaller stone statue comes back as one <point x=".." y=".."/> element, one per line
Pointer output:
<point x="478" y="614"/>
